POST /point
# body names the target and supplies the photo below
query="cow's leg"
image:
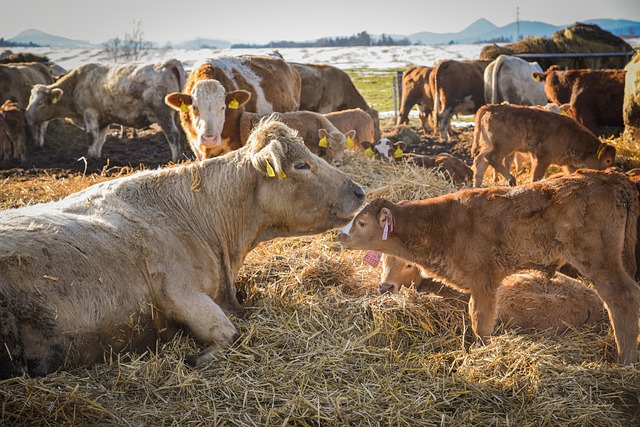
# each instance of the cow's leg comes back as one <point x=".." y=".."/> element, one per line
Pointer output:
<point x="167" y="123"/>
<point x="497" y="161"/>
<point x="538" y="168"/>
<point x="95" y="134"/>
<point x="40" y="130"/>
<point x="482" y="310"/>
<point x="445" y="122"/>
<point x="480" y="165"/>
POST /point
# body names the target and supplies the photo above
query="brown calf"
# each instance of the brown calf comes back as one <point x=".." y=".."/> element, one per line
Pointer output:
<point x="473" y="239"/>
<point x="13" y="133"/>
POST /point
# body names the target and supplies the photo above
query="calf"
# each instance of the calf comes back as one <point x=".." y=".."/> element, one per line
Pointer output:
<point x="416" y="89"/>
<point x="503" y="129"/>
<point x="357" y="120"/>
<point x="13" y="135"/>
<point x="472" y="239"/>
<point x="526" y="300"/>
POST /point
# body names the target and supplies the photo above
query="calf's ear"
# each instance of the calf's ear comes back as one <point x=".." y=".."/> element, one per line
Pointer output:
<point x="385" y="215"/>
<point x="237" y="98"/>
<point x="178" y="101"/>
<point x="538" y="77"/>
<point x="56" y="93"/>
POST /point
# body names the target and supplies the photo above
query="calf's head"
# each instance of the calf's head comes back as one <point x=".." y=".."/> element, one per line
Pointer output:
<point x="42" y="104"/>
<point x="298" y="193"/>
<point x="604" y="157"/>
<point x="385" y="150"/>
<point x="367" y="230"/>
<point x="204" y="109"/>
<point x="334" y="144"/>
<point x="397" y="273"/>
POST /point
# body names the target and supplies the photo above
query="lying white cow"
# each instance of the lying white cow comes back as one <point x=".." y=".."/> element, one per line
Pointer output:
<point x="508" y="79"/>
<point x="94" y="96"/>
<point x="114" y="267"/>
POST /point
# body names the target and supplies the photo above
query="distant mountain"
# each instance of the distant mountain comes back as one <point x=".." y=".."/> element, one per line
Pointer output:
<point x="201" y="43"/>
<point x="511" y="31"/>
<point x="44" y="39"/>
<point x="619" y="27"/>
<point x="481" y="26"/>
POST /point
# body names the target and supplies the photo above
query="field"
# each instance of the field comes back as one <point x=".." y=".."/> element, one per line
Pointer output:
<point x="319" y="347"/>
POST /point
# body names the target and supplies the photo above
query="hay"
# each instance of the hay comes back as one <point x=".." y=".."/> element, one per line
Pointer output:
<point x="319" y="347"/>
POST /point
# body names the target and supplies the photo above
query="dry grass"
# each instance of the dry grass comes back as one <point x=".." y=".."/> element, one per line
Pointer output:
<point x="320" y="348"/>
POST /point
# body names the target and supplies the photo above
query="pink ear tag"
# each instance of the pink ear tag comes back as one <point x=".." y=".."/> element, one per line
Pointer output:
<point x="372" y="258"/>
<point x="387" y="229"/>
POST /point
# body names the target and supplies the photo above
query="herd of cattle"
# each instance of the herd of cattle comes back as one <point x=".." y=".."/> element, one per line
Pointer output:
<point x="171" y="241"/>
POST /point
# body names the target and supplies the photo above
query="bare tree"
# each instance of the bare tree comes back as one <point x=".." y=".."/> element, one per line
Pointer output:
<point x="133" y="48"/>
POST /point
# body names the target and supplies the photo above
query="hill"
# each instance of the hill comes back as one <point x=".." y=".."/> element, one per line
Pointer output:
<point x="44" y="39"/>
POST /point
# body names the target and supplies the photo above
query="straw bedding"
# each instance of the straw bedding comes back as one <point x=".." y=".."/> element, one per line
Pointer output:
<point x="319" y="347"/>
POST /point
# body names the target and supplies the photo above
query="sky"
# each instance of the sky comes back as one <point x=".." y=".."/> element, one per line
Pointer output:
<point x="261" y="21"/>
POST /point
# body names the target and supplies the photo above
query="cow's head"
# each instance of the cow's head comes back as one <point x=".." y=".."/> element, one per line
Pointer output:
<point x="297" y="192"/>
<point x="204" y="108"/>
<point x="385" y="150"/>
<point x="397" y="273"/>
<point x="43" y="104"/>
<point x="367" y="230"/>
<point x="605" y="157"/>
<point x="334" y="143"/>
<point x="541" y="77"/>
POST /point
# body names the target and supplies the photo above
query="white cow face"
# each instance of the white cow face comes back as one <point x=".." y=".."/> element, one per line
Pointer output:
<point x="385" y="150"/>
<point x="42" y="104"/>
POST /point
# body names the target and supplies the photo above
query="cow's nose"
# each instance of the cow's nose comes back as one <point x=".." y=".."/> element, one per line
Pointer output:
<point x="384" y="288"/>
<point x="359" y="193"/>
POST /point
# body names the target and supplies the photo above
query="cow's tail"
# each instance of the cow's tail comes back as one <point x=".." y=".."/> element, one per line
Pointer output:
<point x="494" y="82"/>
<point x="178" y="71"/>
<point x="436" y="101"/>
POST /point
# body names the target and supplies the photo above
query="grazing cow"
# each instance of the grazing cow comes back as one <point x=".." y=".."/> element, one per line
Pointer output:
<point x="357" y="120"/>
<point x="458" y="87"/>
<point x="416" y="90"/>
<point x="503" y="129"/>
<point x="220" y="124"/>
<point x="474" y="238"/>
<point x="326" y="89"/>
<point x="595" y="96"/>
<point x="93" y="96"/>
<point x="13" y="134"/>
<point x="16" y="81"/>
<point x="527" y="300"/>
<point x="508" y="79"/>
<point x="387" y="151"/>
<point x="631" y="107"/>
<point x="124" y="262"/>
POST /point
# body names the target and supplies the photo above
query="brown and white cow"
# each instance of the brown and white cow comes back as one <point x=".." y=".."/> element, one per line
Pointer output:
<point x="16" y="81"/>
<point x="13" y="133"/>
<point x="458" y="88"/>
<point x="503" y="129"/>
<point x="416" y="90"/>
<point x="357" y="120"/>
<point x="631" y="105"/>
<point x="595" y="96"/>
<point x="527" y="300"/>
<point x="326" y="89"/>
<point x="122" y="263"/>
<point x="220" y="124"/>
<point x="508" y="79"/>
<point x="474" y="238"/>
<point x="94" y="95"/>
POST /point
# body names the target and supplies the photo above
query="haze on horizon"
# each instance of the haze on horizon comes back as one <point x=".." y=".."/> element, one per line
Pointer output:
<point x="258" y="21"/>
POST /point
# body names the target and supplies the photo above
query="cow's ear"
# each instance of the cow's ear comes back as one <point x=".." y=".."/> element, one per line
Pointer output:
<point x="538" y="77"/>
<point x="56" y="94"/>
<point x="178" y="101"/>
<point x="322" y="133"/>
<point x="400" y="144"/>
<point x="385" y="217"/>
<point x="237" y="99"/>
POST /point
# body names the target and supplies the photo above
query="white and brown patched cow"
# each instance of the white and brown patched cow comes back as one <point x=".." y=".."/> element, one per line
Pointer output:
<point x="212" y="108"/>
<point x="504" y="129"/>
<point x="457" y="88"/>
<point x="258" y="84"/>
<point x="508" y="79"/>
<point x="528" y="300"/>
<point x="472" y="239"/>
<point x="326" y="89"/>
<point x="13" y="133"/>
<point x="16" y="81"/>
<point x="122" y="263"/>
<point x="94" y="95"/>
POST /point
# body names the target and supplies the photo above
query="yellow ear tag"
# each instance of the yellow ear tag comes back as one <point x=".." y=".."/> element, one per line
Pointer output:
<point x="183" y="107"/>
<point x="283" y="175"/>
<point x="54" y="100"/>
<point x="369" y="152"/>
<point x="270" y="172"/>
<point x="234" y="104"/>
<point x="323" y="142"/>
<point x="600" y="151"/>
<point x="538" y="79"/>
<point x="350" y="143"/>
<point x="397" y="153"/>
<point x="564" y="112"/>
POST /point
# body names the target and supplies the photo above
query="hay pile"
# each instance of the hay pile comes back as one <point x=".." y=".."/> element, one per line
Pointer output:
<point x="320" y="348"/>
<point x="578" y="38"/>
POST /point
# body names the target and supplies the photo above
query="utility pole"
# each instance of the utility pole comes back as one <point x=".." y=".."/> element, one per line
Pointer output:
<point x="517" y="23"/>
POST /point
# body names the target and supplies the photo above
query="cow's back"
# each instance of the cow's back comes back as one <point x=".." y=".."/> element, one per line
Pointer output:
<point x="17" y="79"/>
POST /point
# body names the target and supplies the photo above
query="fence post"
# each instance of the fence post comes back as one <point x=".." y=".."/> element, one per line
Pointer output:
<point x="397" y="93"/>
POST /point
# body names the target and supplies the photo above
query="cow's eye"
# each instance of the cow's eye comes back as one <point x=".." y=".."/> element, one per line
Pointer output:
<point x="408" y="266"/>
<point x="361" y="223"/>
<point x="302" y="166"/>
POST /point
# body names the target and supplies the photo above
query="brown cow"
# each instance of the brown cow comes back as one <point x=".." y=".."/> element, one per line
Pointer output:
<point x="474" y="238"/>
<point x="595" y="96"/>
<point x="13" y="134"/>
<point x="631" y="107"/>
<point x="416" y="89"/>
<point x="503" y="129"/>
<point x="326" y="89"/>
<point x="457" y="87"/>
<point x="357" y="120"/>
<point x="526" y="300"/>
<point x="124" y="262"/>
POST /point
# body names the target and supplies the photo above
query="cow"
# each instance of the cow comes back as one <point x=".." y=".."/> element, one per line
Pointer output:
<point x="503" y="129"/>
<point x="219" y="123"/>
<point x="326" y="89"/>
<point x="458" y="88"/>
<point x="473" y="238"/>
<point x="526" y="300"/>
<point x="387" y="151"/>
<point x="116" y="266"/>
<point x="631" y="104"/>
<point x="508" y="79"/>
<point x="357" y="120"/>
<point x="416" y="90"/>
<point x="94" y="95"/>
<point x="16" y="81"/>
<point x="595" y="96"/>
<point x="13" y="134"/>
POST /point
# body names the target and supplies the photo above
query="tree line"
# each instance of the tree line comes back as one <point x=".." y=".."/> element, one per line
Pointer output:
<point x="361" y="39"/>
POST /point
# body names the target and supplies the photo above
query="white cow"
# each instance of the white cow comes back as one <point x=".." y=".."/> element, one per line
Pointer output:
<point x="508" y="79"/>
